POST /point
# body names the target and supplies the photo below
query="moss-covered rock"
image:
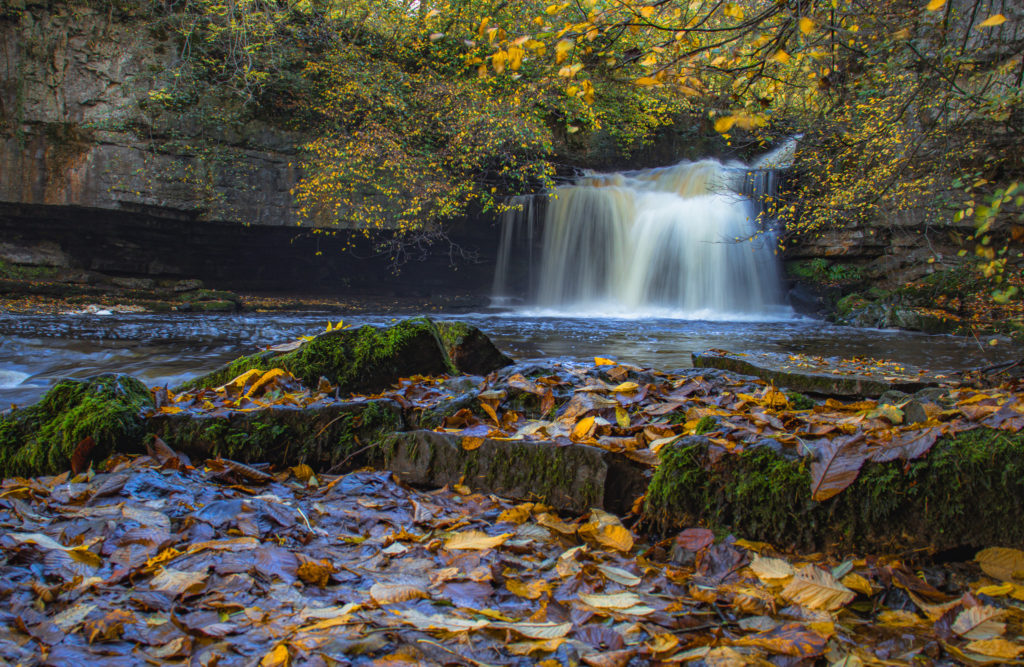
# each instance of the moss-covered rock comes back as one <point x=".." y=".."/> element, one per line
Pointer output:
<point x="470" y="349"/>
<point x="571" y="478"/>
<point x="321" y="437"/>
<point x="40" y="439"/>
<point x="968" y="490"/>
<point x="367" y="359"/>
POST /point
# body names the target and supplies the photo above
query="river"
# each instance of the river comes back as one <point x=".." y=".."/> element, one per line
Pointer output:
<point x="36" y="350"/>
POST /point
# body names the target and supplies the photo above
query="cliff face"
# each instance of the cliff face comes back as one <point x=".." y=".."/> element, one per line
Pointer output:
<point x="77" y="129"/>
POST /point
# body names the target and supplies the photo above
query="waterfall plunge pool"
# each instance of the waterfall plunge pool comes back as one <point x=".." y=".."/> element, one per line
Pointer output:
<point x="36" y="350"/>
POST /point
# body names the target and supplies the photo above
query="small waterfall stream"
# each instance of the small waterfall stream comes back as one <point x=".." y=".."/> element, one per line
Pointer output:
<point x="686" y="241"/>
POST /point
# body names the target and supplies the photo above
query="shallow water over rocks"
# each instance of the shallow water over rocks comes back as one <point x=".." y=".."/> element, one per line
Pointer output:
<point x="36" y="350"/>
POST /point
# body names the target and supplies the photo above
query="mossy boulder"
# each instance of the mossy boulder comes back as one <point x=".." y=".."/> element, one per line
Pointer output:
<point x="41" y="439"/>
<point x="364" y="360"/>
<point x="967" y="491"/>
<point x="470" y="349"/>
<point x="321" y="437"/>
<point x="571" y="478"/>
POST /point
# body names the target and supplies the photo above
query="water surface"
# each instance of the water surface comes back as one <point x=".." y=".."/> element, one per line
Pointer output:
<point x="36" y="350"/>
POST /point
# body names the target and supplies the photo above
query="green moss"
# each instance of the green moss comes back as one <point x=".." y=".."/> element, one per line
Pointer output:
<point x="705" y="425"/>
<point x="798" y="401"/>
<point x="320" y="438"/>
<point x="41" y="438"/>
<point x="364" y="359"/>
<point x="969" y="490"/>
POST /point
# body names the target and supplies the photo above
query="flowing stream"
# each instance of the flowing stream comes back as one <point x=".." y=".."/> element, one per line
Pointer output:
<point x="36" y="350"/>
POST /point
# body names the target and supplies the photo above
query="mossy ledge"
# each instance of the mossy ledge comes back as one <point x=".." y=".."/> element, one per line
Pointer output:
<point x="40" y="439"/>
<point x="320" y="437"/>
<point x="571" y="478"/>
<point x="967" y="491"/>
<point x="366" y="359"/>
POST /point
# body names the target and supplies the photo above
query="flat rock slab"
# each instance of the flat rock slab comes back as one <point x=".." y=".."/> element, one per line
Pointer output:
<point x="322" y="437"/>
<point x="817" y="375"/>
<point x="570" y="478"/>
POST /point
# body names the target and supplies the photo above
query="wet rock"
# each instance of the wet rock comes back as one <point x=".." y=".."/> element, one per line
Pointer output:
<point x="43" y="438"/>
<point x="470" y="349"/>
<point x="187" y="285"/>
<point x="571" y="477"/>
<point x="777" y="369"/>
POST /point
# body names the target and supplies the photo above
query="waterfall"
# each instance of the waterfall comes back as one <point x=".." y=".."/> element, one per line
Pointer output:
<point x="681" y="241"/>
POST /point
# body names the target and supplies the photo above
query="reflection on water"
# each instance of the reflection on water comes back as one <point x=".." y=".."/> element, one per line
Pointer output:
<point x="35" y="350"/>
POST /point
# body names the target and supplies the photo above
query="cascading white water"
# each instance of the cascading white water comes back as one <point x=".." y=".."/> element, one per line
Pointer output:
<point x="676" y="241"/>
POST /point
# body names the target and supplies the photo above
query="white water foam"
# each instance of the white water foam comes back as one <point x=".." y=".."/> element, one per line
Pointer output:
<point x="10" y="379"/>
<point x="676" y="242"/>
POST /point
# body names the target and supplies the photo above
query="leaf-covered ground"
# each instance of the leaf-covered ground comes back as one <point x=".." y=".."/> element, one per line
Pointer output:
<point x="636" y="412"/>
<point x="155" y="561"/>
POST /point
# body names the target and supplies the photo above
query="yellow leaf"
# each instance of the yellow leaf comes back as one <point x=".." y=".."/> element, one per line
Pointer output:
<point x="992" y="21"/>
<point x="621" y="417"/>
<point x="899" y="618"/>
<point x="601" y="361"/>
<point x="997" y="590"/>
<point x="996" y="648"/>
<point x="935" y="5"/>
<point x="475" y="540"/>
<point x="562" y="49"/>
<point x="535" y="646"/>
<point x="646" y="81"/>
<point x="583" y="428"/>
<point x="858" y="583"/>
<point x="817" y="589"/>
<point x="278" y="657"/>
<point x="469" y="443"/>
<point x="807" y="25"/>
<point x="1002" y="563"/>
<point x="607" y="530"/>
<point x="530" y="591"/>
<point x="626" y="387"/>
<point x="780" y="57"/>
<point x="647" y="12"/>
<point x="724" y="124"/>
<point x="517" y="514"/>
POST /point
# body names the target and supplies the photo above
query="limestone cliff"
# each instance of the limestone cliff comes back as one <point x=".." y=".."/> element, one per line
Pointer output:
<point x="79" y="127"/>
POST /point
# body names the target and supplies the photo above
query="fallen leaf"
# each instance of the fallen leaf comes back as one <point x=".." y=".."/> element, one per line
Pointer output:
<point x="611" y="601"/>
<point x="981" y="622"/>
<point x="837" y="466"/>
<point x="817" y="589"/>
<point x="1002" y="563"/>
<point x="475" y="540"/>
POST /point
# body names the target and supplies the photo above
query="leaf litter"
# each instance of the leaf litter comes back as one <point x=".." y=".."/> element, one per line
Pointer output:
<point x="154" y="560"/>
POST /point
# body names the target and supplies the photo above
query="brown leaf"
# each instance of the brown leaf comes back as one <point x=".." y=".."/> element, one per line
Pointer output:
<point x="80" y="457"/>
<point x="383" y="593"/>
<point x="909" y="446"/>
<point x="791" y="639"/>
<point x="695" y="539"/>
<point x="837" y="466"/>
